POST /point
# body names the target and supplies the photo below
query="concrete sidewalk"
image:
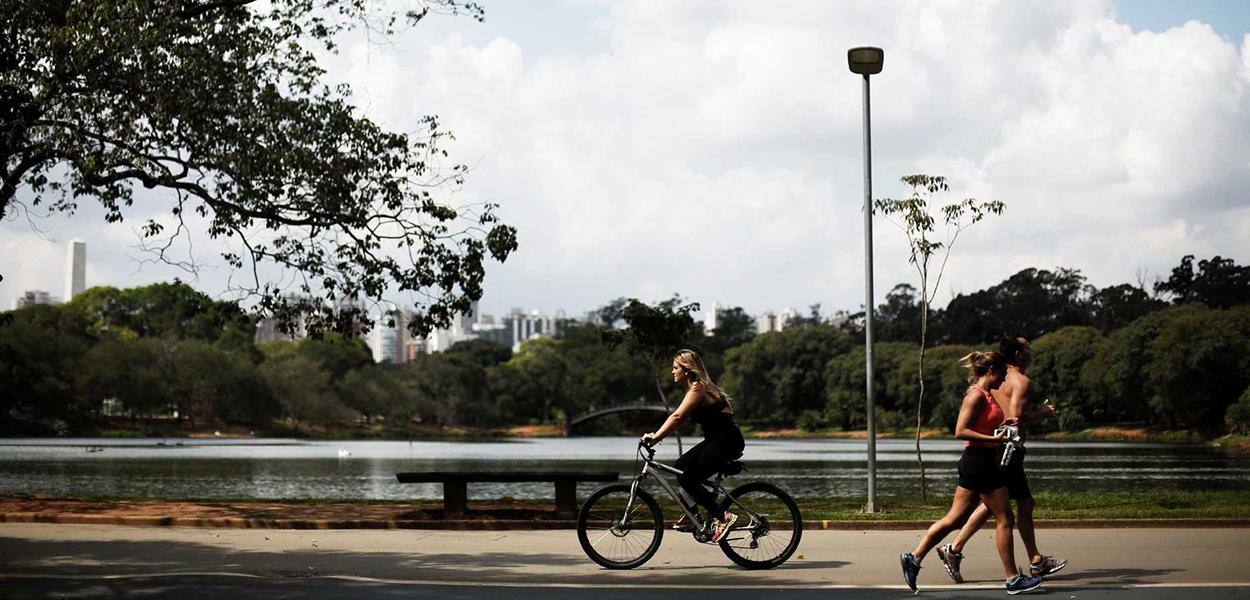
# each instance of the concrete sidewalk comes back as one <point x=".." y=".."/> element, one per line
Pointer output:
<point x="1100" y="558"/>
<point x="487" y="515"/>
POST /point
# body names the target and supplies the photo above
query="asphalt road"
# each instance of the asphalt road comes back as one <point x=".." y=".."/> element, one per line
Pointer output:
<point x="97" y="561"/>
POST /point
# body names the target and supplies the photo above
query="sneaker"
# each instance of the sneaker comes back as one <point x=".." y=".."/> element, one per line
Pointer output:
<point x="950" y="560"/>
<point x="1047" y="566"/>
<point x="684" y="524"/>
<point x="911" y="569"/>
<point x="1022" y="583"/>
<point x="723" y="525"/>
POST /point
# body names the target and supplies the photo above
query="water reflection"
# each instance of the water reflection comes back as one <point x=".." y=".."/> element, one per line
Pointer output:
<point x="275" y="468"/>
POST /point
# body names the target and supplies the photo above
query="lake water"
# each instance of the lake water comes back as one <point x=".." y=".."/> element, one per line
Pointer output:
<point x="281" y="468"/>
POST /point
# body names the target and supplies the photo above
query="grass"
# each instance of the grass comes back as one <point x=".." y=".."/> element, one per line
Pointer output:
<point x="1087" y="506"/>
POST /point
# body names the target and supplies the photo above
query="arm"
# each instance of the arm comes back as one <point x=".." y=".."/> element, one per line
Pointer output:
<point x="679" y="416"/>
<point x="967" y="412"/>
<point x="1019" y="402"/>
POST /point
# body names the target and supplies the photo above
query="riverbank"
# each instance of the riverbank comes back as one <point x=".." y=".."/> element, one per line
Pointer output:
<point x="171" y="428"/>
<point x="1189" y="508"/>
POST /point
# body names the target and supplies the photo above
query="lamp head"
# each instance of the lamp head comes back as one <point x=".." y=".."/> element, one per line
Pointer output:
<point x="865" y="60"/>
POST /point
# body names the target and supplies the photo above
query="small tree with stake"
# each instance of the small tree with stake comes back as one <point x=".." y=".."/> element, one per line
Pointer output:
<point x="919" y="225"/>
<point x="656" y="332"/>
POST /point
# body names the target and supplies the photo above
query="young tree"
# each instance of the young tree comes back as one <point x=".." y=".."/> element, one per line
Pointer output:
<point x="656" y="332"/>
<point x="919" y="226"/>
<point x="222" y="105"/>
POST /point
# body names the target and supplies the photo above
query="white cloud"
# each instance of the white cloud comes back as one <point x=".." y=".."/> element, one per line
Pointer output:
<point x="713" y="148"/>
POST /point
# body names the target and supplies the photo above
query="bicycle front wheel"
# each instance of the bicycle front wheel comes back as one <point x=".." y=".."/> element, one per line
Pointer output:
<point x="619" y="533"/>
<point x="768" y="529"/>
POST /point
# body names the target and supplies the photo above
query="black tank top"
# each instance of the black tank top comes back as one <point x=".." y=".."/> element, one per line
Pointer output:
<point x="713" y="419"/>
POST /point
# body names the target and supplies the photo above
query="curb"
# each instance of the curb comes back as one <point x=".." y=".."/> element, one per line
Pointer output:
<point x="515" y="525"/>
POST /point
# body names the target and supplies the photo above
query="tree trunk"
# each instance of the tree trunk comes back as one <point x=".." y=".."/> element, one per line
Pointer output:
<point x="659" y="389"/>
<point x="924" y="330"/>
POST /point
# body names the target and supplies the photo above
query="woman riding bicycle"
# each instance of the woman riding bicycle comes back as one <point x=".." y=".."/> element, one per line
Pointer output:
<point x="709" y="406"/>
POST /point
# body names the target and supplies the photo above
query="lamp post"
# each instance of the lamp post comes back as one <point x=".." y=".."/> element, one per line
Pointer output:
<point x="868" y="61"/>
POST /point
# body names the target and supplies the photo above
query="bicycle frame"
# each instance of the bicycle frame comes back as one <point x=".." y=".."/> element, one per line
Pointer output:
<point x="650" y="467"/>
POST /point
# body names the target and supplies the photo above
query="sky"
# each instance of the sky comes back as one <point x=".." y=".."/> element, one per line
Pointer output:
<point x="713" y="149"/>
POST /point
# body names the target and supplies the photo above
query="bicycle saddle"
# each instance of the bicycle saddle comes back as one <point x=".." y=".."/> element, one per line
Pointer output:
<point x="733" y="467"/>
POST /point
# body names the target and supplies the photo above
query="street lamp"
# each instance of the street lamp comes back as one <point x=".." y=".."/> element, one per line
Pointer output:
<point x="868" y="61"/>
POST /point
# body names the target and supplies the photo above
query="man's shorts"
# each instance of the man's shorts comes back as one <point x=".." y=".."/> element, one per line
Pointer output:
<point x="1013" y="475"/>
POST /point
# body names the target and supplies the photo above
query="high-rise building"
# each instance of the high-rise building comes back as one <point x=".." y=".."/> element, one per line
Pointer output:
<point x="711" y="319"/>
<point x="75" y="269"/>
<point x="390" y="336"/>
<point x="31" y="298"/>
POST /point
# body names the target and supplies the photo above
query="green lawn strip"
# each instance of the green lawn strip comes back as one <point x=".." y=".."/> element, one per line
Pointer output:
<point x="1171" y="504"/>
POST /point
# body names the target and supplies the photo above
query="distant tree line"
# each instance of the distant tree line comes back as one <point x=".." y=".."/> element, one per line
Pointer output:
<point x="1174" y="356"/>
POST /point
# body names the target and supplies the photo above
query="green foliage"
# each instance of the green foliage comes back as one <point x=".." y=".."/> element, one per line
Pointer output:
<point x="1218" y="282"/>
<point x="41" y="348"/>
<point x="1237" y="417"/>
<point x="778" y="375"/>
<point x="1056" y="372"/>
<point x="811" y="420"/>
<point x="223" y="106"/>
<point x="483" y="352"/>
<point x="1029" y="304"/>
<point x="304" y="391"/>
<point x="1200" y="364"/>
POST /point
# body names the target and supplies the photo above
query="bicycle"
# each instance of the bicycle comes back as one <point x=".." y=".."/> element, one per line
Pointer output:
<point x="621" y="526"/>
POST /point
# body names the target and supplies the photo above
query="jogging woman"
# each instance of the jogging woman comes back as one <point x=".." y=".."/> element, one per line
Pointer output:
<point x="709" y="406"/>
<point x="980" y="480"/>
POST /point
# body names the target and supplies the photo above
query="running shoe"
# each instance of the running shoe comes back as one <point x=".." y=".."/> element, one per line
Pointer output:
<point x="911" y="569"/>
<point x="1047" y="566"/>
<point x="951" y="560"/>
<point x="723" y="525"/>
<point x="684" y="524"/>
<point x="1022" y="583"/>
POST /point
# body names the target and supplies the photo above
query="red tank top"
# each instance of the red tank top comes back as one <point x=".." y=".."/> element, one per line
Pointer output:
<point x="987" y="420"/>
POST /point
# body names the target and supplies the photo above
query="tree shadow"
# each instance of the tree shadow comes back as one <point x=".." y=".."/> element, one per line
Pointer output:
<point x="35" y="557"/>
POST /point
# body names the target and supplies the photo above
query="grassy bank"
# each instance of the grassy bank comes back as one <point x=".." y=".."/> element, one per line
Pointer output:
<point x="1081" y="506"/>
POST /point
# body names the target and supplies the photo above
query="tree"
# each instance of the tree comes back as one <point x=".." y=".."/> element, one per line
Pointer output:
<point x="41" y="349"/>
<point x="778" y="375"/>
<point x="1030" y="303"/>
<point x="1237" y="417"/>
<point x="899" y="318"/>
<point x="174" y="310"/>
<point x="1199" y="365"/>
<point x="222" y="106"/>
<point x="1218" y="282"/>
<point x="918" y="225"/>
<point x="656" y="332"/>
<point x="484" y="352"/>
<point x="1059" y="360"/>
<point x="1118" y="305"/>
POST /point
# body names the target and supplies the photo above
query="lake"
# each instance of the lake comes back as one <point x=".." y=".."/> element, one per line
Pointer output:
<point x="176" y="468"/>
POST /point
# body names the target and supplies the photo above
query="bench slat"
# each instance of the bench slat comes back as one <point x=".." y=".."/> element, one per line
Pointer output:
<point x="504" y="477"/>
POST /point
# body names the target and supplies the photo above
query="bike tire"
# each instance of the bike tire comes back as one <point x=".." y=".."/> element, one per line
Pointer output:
<point x="600" y="518"/>
<point x="780" y="536"/>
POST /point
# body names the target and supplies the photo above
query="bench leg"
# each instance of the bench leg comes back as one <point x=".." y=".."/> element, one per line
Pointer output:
<point x="455" y="498"/>
<point x="566" y="499"/>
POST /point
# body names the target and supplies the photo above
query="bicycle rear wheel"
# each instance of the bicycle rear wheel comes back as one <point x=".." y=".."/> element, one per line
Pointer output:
<point x="768" y="529"/>
<point x="616" y="538"/>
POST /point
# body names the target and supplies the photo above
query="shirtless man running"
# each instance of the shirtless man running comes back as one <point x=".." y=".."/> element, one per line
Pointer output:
<point x="1015" y="396"/>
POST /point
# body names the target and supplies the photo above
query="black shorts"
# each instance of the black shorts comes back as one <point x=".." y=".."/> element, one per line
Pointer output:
<point x="1014" y="477"/>
<point x="978" y="469"/>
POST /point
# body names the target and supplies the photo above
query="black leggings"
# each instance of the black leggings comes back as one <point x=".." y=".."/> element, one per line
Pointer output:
<point x="703" y="461"/>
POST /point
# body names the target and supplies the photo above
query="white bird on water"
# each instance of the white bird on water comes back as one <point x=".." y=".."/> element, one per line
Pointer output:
<point x="344" y="453"/>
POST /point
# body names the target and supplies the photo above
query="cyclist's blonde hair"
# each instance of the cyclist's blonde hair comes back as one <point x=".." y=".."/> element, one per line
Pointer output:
<point x="692" y="364"/>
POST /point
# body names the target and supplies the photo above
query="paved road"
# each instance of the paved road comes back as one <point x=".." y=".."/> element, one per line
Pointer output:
<point x="98" y="561"/>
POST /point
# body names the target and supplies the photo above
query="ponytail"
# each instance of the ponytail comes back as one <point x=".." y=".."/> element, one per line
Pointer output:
<point x="981" y="363"/>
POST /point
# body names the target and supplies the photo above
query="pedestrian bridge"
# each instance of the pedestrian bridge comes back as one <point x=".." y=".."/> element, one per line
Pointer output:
<point x="619" y="408"/>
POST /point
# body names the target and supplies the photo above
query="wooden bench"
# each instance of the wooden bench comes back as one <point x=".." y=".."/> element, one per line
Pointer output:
<point x="455" y="488"/>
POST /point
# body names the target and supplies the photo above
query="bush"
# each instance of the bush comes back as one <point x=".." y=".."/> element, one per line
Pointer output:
<point x="812" y="420"/>
<point x="892" y="420"/>
<point x="1072" y="420"/>
<point x="1237" y="418"/>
